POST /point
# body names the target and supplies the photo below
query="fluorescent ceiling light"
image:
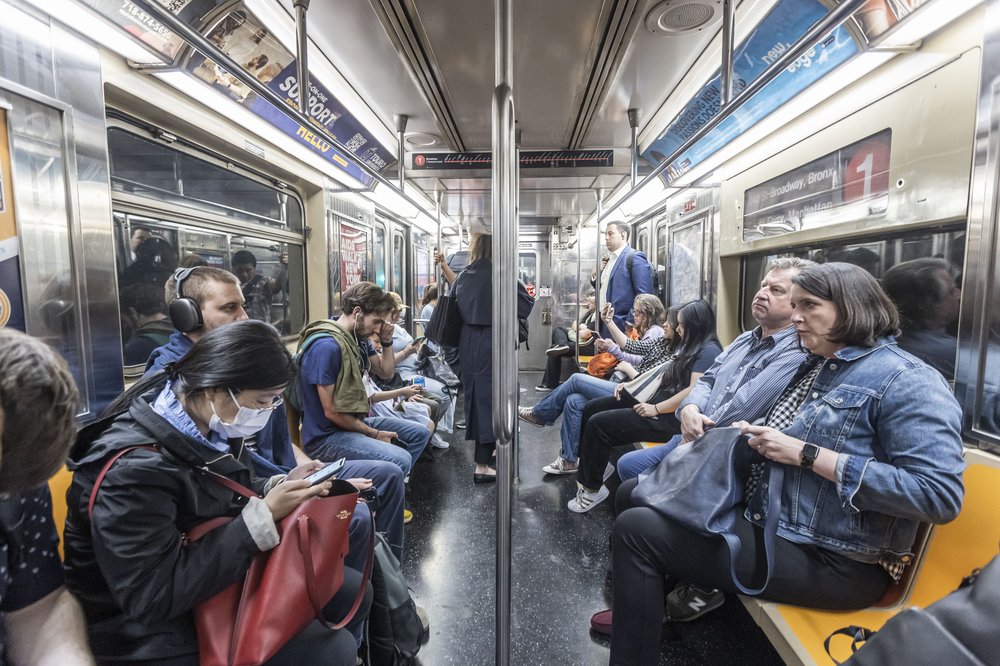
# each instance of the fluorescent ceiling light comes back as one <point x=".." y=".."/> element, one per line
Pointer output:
<point x="387" y="198"/>
<point x="649" y="196"/>
<point x="82" y="20"/>
<point x="924" y="20"/>
<point x="254" y="125"/>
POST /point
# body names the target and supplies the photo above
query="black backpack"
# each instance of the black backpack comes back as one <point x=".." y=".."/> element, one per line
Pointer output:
<point x="395" y="632"/>
<point x="654" y="276"/>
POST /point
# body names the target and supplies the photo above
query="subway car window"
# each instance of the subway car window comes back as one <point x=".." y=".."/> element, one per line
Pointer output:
<point x="145" y="167"/>
<point x="263" y="268"/>
<point x="270" y="273"/>
<point x="687" y="262"/>
<point x="922" y="273"/>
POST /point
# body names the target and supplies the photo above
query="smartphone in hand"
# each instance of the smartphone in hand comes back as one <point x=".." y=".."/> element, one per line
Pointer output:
<point x="326" y="473"/>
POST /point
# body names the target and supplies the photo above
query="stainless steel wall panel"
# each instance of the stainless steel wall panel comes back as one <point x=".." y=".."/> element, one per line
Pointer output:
<point x="52" y="78"/>
<point x="976" y="373"/>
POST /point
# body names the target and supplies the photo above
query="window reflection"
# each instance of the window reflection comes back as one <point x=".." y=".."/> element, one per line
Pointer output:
<point x="922" y="273"/>
<point x="270" y="274"/>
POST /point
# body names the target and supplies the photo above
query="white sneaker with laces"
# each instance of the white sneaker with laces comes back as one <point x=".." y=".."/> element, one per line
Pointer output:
<point x="560" y="466"/>
<point x="438" y="443"/>
<point x="584" y="501"/>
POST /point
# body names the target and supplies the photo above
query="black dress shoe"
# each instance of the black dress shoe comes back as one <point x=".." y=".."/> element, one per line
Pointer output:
<point x="483" y="478"/>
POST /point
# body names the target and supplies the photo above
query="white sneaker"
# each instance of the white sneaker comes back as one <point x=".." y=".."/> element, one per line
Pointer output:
<point x="608" y="471"/>
<point x="560" y="466"/>
<point x="557" y="350"/>
<point x="584" y="501"/>
<point x="438" y="443"/>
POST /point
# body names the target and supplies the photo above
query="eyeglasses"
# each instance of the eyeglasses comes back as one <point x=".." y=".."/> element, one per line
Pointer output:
<point x="276" y="401"/>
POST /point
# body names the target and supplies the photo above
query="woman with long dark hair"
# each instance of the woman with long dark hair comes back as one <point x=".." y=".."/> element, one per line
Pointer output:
<point x="620" y="419"/>
<point x="128" y="561"/>
<point x="870" y="441"/>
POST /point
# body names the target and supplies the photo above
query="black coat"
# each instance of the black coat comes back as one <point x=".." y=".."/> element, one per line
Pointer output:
<point x="136" y="581"/>
<point x="473" y="290"/>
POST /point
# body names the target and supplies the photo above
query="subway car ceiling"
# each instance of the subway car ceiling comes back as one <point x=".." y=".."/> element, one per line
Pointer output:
<point x="589" y="75"/>
<point x="580" y="67"/>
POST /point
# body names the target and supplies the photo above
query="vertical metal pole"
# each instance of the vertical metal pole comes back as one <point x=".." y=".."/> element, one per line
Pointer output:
<point x="597" y="260"/>
<point x="633" y="123"/>
<point x="505" y="390"/>
<point x="728" y="10"/>
<point x="400" y="146"/>
<point x="302" y="54"/>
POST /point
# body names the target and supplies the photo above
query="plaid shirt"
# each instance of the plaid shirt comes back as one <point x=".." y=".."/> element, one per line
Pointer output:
<point x="653" y="351"/>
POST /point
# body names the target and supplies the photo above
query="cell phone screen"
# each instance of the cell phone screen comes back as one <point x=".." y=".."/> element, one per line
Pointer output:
<point x="326" y="473"/>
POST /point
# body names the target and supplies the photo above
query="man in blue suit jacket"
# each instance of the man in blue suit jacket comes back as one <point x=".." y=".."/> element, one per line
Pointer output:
<point x="625" y="274"/>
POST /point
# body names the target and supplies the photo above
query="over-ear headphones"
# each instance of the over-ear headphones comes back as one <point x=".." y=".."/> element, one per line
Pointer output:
<point x="185" y="313"/>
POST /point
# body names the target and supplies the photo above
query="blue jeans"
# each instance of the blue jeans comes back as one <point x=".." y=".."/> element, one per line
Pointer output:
<point x="634" y="463"/>
<point x="355" y="446"/>
<point x="569" y="400"/>
<point x="387" y="479"/>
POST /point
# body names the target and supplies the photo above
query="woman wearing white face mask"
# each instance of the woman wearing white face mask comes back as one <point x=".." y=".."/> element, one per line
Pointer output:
<point x="127" y="562"/>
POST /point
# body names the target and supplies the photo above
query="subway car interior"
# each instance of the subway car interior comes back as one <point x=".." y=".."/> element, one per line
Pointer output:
<point x="139" y="137"/>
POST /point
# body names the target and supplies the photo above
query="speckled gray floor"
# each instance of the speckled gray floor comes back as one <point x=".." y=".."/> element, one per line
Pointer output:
<point x="559" y="566"/>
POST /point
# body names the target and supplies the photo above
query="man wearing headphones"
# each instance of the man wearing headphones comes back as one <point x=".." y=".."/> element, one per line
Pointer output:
<point x="204" y="298"/>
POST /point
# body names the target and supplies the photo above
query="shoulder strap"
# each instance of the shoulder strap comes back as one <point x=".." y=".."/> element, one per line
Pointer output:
<point x="238" y="488"/>
<point x="107" y="466"/>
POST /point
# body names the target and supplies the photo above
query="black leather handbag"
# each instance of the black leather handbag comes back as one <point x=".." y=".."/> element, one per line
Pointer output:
<point x="445" y="325"/>
<point x="701" y="486"/>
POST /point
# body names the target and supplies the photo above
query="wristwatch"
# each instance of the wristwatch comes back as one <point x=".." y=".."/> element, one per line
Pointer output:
<point x="808" y="456"/>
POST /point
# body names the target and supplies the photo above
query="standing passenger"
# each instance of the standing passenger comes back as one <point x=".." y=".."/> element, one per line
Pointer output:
<point x="473" y="289"/>
<point x="625" y="273"/>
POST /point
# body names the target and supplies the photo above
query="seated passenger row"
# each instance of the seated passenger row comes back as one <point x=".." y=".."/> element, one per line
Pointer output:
<point x="867" y="435"/>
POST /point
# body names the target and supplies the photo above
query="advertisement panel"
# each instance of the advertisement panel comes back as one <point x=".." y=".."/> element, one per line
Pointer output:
<point x="353" y="255"/>
<point x="11" y="295"/>
<point x="242" y="37"/>
<point x="146" y="29"/>
<point x="786" y="22"/>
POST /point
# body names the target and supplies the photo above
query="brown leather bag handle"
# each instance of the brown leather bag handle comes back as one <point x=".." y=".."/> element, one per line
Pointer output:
<point x="310" y="571"/>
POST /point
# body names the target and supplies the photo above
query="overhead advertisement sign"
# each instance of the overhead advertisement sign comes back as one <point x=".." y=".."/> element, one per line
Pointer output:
<point x="850" y="183"/>
<point x="145" y="28"/>
<point x="877" y="16"/>
<point x="776" y="33"/>
<point x="242" y="37"/>
<point x="11" y="295"/>
<point x="529" y="159"/>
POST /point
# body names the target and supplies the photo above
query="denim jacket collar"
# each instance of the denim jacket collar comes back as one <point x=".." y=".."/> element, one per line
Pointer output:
<point x="856" y="352"/>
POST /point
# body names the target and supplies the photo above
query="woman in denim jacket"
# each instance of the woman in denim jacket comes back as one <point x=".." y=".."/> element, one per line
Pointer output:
<point x="871" y="440"/>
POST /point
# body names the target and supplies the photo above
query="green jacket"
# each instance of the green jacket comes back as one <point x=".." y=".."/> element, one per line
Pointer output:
<point x="349" y="395"/>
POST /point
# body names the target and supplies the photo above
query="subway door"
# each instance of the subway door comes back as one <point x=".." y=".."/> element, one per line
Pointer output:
<point x="534" y="270"/>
